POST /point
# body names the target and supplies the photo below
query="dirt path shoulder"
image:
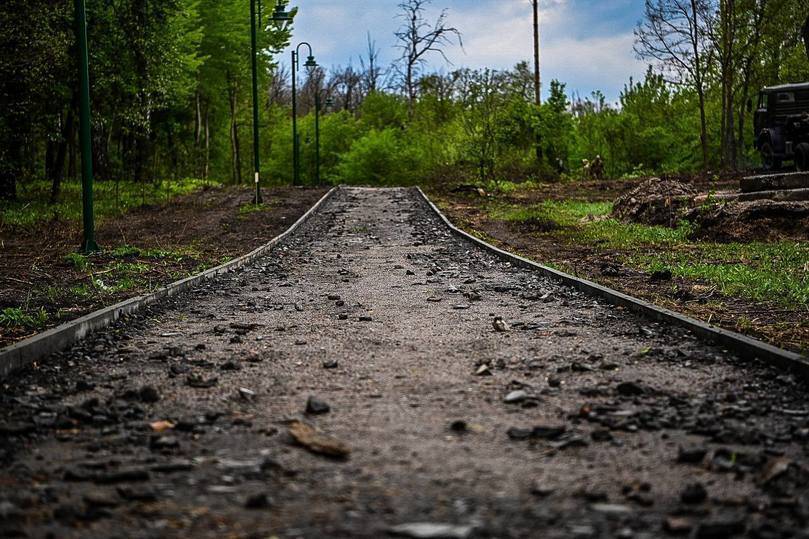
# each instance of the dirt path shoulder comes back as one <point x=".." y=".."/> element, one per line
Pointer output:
<point x="44" y="282"/>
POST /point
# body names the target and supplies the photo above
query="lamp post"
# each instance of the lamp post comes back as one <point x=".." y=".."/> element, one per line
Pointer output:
<point x="254" y="65"/>
<point x="310" y="64"/>
<point x="89" y="244"/>
<point x="282" y="18"/>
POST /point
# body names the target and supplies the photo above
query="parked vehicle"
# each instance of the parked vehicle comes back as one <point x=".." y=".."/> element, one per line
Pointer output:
<point x="782" y="125"/>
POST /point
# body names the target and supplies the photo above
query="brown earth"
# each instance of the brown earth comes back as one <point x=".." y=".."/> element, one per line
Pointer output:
<point x="204" y="229"/>
<point x="788" y="328"/>
<point x="654" y="202"/>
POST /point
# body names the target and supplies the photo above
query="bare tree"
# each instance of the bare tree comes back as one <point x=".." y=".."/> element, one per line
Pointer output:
<point x="417" y="38"/>
<point x="371" y="71"/>
<point x="749" y="56"/>
<point x="675" y="34"/>
<point x="723" y="31"/>
<point x="279" y="91"/>
<point x="346" y="87"/>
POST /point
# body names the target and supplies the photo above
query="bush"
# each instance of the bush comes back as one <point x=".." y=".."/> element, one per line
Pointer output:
<point x="380" y="158"/>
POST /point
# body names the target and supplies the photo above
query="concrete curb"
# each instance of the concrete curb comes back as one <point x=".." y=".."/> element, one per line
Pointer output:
<point x="38" y="347"/>
<point x="742" y="345"/>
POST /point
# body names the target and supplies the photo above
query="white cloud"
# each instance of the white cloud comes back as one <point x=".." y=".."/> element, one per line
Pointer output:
<point x="585" y="43"/>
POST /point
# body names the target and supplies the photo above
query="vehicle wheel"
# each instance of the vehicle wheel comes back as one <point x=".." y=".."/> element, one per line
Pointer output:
<point x="802" y="157"/>
<point x="771" y="162"/>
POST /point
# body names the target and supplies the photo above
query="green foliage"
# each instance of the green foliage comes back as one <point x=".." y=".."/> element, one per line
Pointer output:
<point x="774" y="272"/>
<point x="78" y="261"/>
<point x="111" y="198"/>
<point x="380" y="158"/>
<point x="16" y="317"/>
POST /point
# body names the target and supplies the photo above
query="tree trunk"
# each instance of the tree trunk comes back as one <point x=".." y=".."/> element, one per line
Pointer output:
<point x="703" y="131"/>
<point x="206" y="168"/>
<point x="197" y="121"/>
<point x="698" y="82"/>
<point x="236" y="161"/>
<point x="58" y="168"/>
<point x="727" y="16"/>
<point x="747" y="74"/>
<point x="9" y="172"/>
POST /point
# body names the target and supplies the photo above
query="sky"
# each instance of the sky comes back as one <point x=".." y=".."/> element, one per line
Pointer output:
<point x="586" y="44"/>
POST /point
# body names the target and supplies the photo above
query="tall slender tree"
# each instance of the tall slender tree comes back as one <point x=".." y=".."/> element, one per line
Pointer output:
<point x="675" y="34"/>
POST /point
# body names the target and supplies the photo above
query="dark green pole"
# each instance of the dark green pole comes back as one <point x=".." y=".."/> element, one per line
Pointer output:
<point x="317" y="138"/>
<point x="89" y="244"/>
<point x="256" y="157"/>
<point x="295" y="171"/>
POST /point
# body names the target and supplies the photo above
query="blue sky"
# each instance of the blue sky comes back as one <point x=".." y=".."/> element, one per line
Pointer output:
<point x="585" y="43"/>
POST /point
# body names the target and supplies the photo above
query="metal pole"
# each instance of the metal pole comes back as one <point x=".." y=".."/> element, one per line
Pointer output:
<point x="537" y="77"/>
<point x="317" y="138"/>
<point x="256" y="157"/>
<point x="88" y="244"/>
<point x="294" y="121"/>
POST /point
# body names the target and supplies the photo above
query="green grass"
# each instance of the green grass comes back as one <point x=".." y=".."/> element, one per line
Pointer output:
<point x="566" y="213"/>
<point x="32" y="206"/>
<point x="248" y="209"/>
<point x="17" y="317"/>
<point x="78" y="261"/>
<point x="773" y="272"/>
<point x="777" y="272"/>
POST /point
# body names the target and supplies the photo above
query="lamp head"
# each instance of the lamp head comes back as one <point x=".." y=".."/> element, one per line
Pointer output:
<point x="310" y="63"/>
<point x="280" y="15"/>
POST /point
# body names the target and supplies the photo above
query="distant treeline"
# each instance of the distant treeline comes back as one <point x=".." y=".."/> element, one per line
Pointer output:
<point x="170" y="86"/>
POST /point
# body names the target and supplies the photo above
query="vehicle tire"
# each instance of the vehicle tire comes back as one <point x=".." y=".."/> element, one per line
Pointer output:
<point x="768" y="157"/>
<point x="802" y="157"/>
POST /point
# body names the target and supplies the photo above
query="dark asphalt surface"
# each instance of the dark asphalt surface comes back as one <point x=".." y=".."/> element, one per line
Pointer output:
<point x="176" y="422"/>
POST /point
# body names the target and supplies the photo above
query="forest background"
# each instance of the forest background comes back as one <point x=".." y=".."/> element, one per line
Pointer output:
<point x="170" y="87"/>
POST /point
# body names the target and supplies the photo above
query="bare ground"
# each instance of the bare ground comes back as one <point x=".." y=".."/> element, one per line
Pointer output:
<point x="616" y="427"/>
<point x="787" y="328"/>
<point x="204" y="228"/>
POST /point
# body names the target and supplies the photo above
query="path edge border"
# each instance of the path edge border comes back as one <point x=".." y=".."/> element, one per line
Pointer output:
<point x="746" y="347"/>
<point x="28" y="351"/>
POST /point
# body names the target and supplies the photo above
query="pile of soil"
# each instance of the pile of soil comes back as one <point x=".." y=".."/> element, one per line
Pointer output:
<point x="759" y="220"/>
<point x="654" y="202"/>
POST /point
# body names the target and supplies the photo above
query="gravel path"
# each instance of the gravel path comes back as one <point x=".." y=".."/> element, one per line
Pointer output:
<point x="447" y="388"/>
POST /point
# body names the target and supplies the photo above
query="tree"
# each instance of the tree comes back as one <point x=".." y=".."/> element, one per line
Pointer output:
<point x="675" y="33"/>
<point x="371" y="71"/>
<point x="417" y="38"/>
<point x="805" y="33"/>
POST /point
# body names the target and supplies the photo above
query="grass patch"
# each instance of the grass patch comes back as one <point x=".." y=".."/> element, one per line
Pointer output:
<point x="249" y="209"/>
<point x="776" y="272"/>
<point x="772" y="272"/>
<point x="111" y="198"/>
<point x="563" y="213"/>
<point x="78" y="261"/>
<point x="16" y="317"/>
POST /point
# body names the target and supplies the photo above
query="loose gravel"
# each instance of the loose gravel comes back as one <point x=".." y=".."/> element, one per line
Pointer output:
<point x="375" y="375"/>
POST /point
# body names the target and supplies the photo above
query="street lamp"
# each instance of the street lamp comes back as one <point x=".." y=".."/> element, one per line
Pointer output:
<point x="88" y="243"/>
<point x="280" y="16"/>
<point x="309" y="65"/>
<point x="254" y="62"/>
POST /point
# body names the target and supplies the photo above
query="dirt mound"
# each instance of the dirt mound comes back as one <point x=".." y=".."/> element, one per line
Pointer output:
<point x="759" y="220"/>
<point x="654" y="202"/>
